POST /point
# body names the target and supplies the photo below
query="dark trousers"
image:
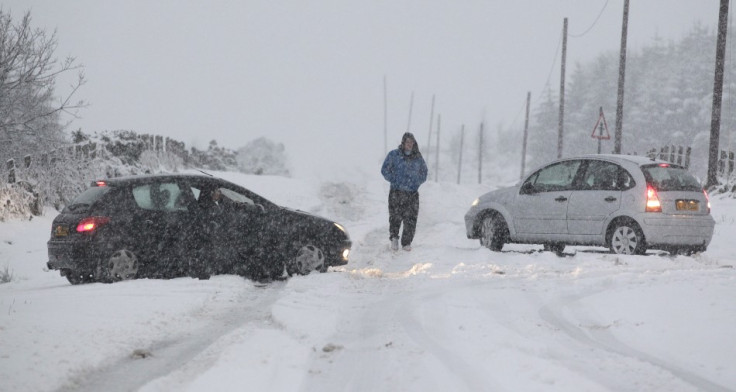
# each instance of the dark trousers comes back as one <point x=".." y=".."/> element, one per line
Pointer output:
<point x="402" y="207"/>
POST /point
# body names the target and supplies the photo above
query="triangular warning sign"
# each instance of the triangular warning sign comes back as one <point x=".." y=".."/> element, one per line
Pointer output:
<point x="601" y="126"/>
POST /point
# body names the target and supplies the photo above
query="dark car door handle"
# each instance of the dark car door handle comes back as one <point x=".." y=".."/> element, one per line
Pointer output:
<point x="610" y="199"/>
<point x="561" y="198"/>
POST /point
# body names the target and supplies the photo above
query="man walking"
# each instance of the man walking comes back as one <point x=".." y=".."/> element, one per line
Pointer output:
<point x="406" y="170"/>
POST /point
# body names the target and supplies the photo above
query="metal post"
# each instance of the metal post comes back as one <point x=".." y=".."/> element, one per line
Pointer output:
<point x="600" y="129"/>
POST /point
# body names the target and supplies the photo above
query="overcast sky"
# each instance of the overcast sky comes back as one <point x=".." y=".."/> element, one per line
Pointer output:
<point x="310" y="74"/>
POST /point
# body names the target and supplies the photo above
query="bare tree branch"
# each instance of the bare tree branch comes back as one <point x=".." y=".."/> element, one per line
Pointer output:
<point x="29" y="108"/>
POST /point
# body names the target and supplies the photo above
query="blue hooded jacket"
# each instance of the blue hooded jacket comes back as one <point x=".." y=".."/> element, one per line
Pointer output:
<point x="405" y="172"/>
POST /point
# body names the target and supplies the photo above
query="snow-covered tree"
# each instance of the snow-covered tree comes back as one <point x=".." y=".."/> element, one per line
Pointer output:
<point x="542" y="139"/>
<point x="30" y="113"/>
<point x="667" y="101"/>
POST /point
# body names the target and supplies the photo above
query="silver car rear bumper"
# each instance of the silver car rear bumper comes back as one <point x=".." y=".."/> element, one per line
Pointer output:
<point x="678" y="229"/>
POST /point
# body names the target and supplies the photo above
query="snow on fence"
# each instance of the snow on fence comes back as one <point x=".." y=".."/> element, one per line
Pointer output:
<point x="681" y="156"/>
<point x="725" y="163"/>
<point x="673" y="154"/>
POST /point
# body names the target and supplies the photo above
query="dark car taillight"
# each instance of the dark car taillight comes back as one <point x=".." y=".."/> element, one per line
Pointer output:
<point x="653" y="204"/>
<point x="89" y="225"/>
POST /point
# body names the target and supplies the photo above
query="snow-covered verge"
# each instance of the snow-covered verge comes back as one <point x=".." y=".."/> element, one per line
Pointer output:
<point x="18" y="202"/>
<point x="448" y="315"/>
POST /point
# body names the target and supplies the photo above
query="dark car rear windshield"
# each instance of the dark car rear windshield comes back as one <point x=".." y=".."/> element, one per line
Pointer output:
<point x="82" y="202"/>
<point x="670" y="178"/>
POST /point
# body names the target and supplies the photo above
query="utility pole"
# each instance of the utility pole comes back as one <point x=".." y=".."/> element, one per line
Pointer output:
<point x="560" y="124"/>
<point x="460" y="160"/>
<point x="431" y="118"/>
<point x="526" y="132"/>
<point x="715" y="122"/>
<point x="621" y="77"/>
<point x="437" y="152"/>
<point x="411" y="105"/>
<point x="385" y="118"/>
<point x="480" y="153"/>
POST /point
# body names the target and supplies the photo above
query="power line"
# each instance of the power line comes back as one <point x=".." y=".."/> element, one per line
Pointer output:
<point x="592" y="25"/>
<point x="554" y="61"/>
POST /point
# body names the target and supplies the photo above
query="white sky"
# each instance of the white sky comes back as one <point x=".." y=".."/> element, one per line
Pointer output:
<point x="310" y="74"/>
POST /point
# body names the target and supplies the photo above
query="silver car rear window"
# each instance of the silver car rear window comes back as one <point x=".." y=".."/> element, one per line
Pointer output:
<point x="670" y="178"/>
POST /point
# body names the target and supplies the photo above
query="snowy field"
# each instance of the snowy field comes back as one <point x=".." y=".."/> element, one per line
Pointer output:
<point x="447" y="316"/>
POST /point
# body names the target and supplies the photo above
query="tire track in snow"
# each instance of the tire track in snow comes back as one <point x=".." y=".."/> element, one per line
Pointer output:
<point x="463" y="372"/>
<point x="395" y="312"/>
<point x="135" y="371"/>
<point x="603" y="339"/>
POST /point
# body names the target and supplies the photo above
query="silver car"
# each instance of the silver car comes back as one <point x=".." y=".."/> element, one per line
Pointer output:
<point x="626" y="203"/>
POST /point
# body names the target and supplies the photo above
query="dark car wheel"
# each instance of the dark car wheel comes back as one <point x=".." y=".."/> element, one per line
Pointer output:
<point x="77" y="277"/>
<point x="199" y="270"/>
<point x="307" y="259"/>
<point x="263" y="272"/>
<point x="493" y="232"/>
<point x="627" y="238"/>
<point x="275" y="271"/>
<point x="122" y="265"/>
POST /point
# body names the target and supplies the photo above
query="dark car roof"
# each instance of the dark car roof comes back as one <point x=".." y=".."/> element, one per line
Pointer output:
<point x="159" y="176"/>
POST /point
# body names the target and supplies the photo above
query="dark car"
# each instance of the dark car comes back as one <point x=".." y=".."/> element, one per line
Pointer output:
<point x="165" y="226"/>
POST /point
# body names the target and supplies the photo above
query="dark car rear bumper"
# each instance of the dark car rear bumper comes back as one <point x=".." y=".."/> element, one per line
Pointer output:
<point x="65" y="255"/>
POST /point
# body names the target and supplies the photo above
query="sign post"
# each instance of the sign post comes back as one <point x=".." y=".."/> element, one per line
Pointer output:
<point x="600" y="126"/>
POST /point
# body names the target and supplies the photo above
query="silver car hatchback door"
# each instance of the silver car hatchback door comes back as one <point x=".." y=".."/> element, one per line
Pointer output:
<point x="677" y="190"/>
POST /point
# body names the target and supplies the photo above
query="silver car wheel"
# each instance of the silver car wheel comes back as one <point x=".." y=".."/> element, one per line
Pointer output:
<point x="308" y="259"/>
<point x="492" y="232"/>
<point x="625" y="240"/>
<point x="487" y="231"/>
<point x="123" y="265"/>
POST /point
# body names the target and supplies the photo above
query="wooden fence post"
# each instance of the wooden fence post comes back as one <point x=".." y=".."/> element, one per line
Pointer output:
<point x="10" y="164"/>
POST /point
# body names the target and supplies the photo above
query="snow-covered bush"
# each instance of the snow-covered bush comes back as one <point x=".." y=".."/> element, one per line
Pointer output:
<point x="6" y="275"/>
<point x="17" y="201"/>
<point x="214" y="158"/>
<point x="54" y="177"/>
<point x="263" y="156"/>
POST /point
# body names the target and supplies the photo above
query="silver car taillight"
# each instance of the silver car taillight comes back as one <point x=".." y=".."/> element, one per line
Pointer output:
<point x="653" y="204"/>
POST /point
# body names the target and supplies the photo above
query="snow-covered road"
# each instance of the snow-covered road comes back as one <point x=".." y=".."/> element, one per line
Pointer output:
<point x="448" y="315"/>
